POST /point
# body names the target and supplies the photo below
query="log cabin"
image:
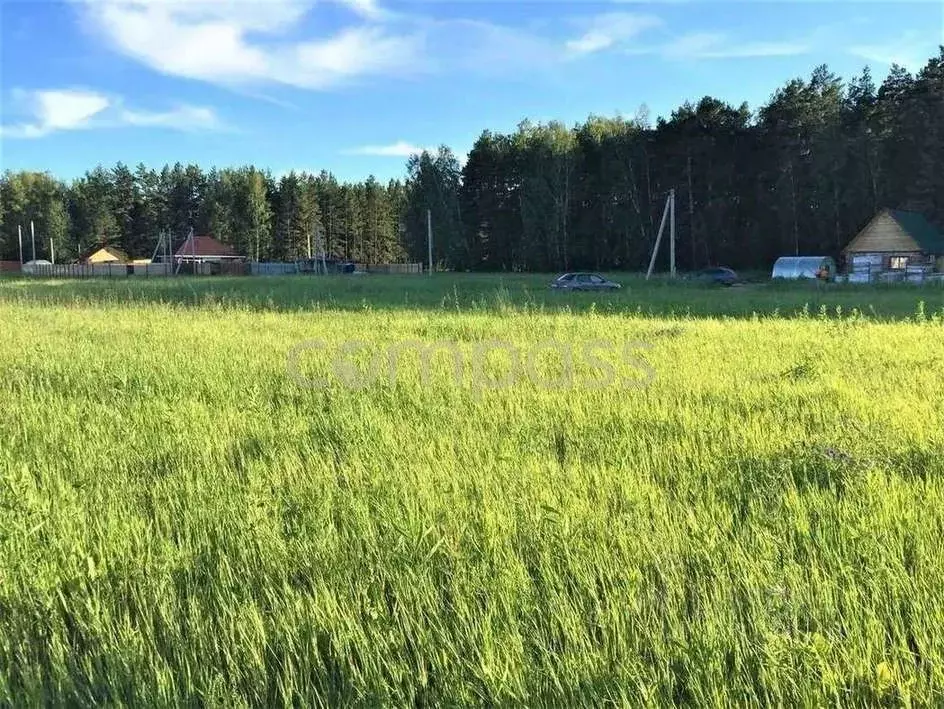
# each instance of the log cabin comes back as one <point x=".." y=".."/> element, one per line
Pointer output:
<point x="896" y="240"/>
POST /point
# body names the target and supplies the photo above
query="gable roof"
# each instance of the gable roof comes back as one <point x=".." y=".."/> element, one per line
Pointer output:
<point x="205" y="246"/>
<point x="920" y="229"/>
<point x="113" y="251"/>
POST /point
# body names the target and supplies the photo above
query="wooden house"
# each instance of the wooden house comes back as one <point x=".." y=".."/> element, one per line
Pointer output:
<point x="896" y="240"/>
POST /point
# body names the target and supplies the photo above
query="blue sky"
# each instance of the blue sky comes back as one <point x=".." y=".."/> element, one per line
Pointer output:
<point x="353" y="86"/>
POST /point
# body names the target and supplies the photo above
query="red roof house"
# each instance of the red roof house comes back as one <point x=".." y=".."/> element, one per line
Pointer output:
<point x="205" y="249"/>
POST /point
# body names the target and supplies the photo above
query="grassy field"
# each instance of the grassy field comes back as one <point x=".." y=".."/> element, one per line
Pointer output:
<point x="197" y="508"/>
<point x="477" y="292"/>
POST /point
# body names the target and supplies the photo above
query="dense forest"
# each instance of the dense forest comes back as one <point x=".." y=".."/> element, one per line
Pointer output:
<point x="800" y="175"/>
<point x="262" y="217"/>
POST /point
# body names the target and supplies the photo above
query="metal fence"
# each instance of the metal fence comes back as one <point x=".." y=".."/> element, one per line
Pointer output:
<point x="101" y="270"/>
<point x="111" y="270"/>
<point x="394" y="268"/>
<point x="276" y="268"/>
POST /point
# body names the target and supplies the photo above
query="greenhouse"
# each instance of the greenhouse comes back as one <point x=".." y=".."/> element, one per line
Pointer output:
<point x="793" y="267"/>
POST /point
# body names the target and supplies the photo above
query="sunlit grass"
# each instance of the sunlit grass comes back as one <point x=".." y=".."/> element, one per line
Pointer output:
<point x="659" y="297"/>
<point x="182" y="523"/>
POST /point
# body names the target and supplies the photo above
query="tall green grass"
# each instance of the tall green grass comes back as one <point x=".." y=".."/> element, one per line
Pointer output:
<point x="659" y="297"/>
<point x="182" y="524"/>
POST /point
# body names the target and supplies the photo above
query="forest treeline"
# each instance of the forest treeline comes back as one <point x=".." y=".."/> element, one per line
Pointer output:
<point x="263" y="217"/>
<point x="800" y="175"/>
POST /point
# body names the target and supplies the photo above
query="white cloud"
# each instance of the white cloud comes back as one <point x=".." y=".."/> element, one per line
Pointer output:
<point x="589" y="43"/>
<point x="367" y="8"/>
<point x="903" y="51"/>
<point x="352" y="52"/>
<point x="56" y="110"/>
<point x="250" y="45"/>
<point x="67" y="109"/>
<point x="184" y="118"/>
<point x="609" y="29"/>
<point x="487" y="49"/>
<point x="247" y="44"/>
<point x="238" y="42"/>
<point x="713" y="45"/>
<point x="400" y="149"/>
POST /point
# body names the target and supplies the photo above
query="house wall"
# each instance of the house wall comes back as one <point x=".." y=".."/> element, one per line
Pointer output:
<point x="884" y="235"/>
<point x="881" y="260"/>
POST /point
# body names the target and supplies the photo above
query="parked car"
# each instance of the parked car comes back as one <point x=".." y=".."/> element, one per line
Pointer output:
<point x="584" y="282"/>
<point x="721" y="275"/>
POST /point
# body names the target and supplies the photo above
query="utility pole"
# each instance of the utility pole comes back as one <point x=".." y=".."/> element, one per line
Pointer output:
<point x="33" y="236"/>
<point x="429" y="238"/>
<point x="19" y="233"/>
<point x="672" y="235"/>
<point x="655" y="249"/>
<point x="52" y="250"/>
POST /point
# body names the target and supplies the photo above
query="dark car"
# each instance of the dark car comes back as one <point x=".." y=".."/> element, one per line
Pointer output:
<point x="584" y="282"/>
<point x="720" y="275"/>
